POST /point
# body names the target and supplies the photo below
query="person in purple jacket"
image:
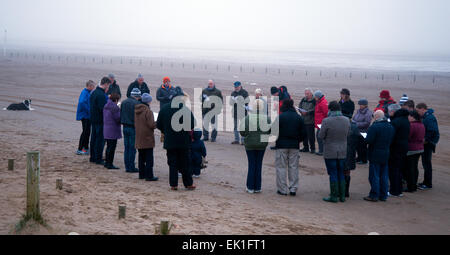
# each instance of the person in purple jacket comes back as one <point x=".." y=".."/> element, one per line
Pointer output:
<point x="111" y="129"/>
<point x="84" y="115"/>
<point x="362" y="119"/>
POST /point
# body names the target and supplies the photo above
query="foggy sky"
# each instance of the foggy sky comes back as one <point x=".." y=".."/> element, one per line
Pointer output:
<point x="396" y="26"/>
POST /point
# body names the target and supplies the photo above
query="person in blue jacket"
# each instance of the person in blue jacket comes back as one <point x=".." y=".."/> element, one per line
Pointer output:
<point x="379" y="138"/>
<point x="431" y="140"/>
<point x="198" y="151"/>
<point x="83" y="115"/>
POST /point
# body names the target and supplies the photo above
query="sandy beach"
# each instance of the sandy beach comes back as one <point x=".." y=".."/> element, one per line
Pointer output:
<point x="88" y="203"/>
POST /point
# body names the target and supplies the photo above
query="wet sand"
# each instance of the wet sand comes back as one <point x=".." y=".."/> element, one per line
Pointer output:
<point x="88" y="203"/>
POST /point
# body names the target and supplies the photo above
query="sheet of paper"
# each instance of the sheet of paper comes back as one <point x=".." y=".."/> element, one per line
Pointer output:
<point x="320" y="126"/>
<point x="301" y="110"/>
<point x="155" y="115"/>
<point x="364" y="135"/>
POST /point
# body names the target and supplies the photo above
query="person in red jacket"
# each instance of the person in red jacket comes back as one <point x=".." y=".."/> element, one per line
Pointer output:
<point x="320" y="113"/>
<point x="415" y="149"/>
<point x="385" y="101"/>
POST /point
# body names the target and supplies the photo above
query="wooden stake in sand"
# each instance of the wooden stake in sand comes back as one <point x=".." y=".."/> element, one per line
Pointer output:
<point x="59" y="184"/>
<point x="33" y="173"/>
<point x="165" y="227"/>
<point x="10" y="164"/>
<point x="122" y="211"/>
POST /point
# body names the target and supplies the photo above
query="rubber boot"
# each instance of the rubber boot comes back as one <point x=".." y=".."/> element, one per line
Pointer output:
<point x="347" y="186"/>
<point x="342" y="190"/>
<point x="334" y="191"/>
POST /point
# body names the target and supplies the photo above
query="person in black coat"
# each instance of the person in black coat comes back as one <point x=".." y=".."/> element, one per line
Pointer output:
<point x="114" y="87"/>
<point x="140" y="84"/>
<point x="347" y="105"/>
<point x="291" y="132"/>
<point x="350" y="162"/>
<point x="379" y="138"/>
<point x="239" y="100"/>
<point x="399" y="148"/>
<point x="198" y="152"/>
<point x="97" y="102"/>
<point x="177" y="142"/>
<point x="165" y="93"/>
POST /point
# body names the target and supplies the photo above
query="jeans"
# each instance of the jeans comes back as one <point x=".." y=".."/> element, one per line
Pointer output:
<point x="255" y="160"/>
<point x="111" y="145"/>
<point x="129" y="136"/>
<point x="286" y="164"/>
<point x="396" y="161"/>
<point x="145" y="162"/>
<point x="86" y="133"/>
<point x="97" y="143"/>
<point x="426" y="163"/>
<point x="206" y="128"/>
<point x="379" y="181"/>
<point x="236" y="131"/>
<point x="335" y="169"/>
<point x="319" y="141"/>
<point x="178" y="161"/>
<point x="362" y="149"/>
<point x="310" y="139"/>
<point x="412" y="171"/>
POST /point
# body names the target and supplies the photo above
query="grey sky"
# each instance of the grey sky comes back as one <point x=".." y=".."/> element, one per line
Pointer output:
<point x="416" y="26"/>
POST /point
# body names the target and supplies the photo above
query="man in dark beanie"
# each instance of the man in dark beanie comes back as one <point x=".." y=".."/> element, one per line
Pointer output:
<point x="127" y="112"/>
<point x="97" y="103"/>
<point x="347" y="105"/>
<point x="176" y="121"/>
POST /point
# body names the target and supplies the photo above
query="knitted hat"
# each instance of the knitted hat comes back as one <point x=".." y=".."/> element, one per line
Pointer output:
<point x="403" y="99"/>
<point x="136" y="92"/>
<point x="179" y="91"/>
<point x="112" y="76"/>
<point x="166" y="79"/>
<point x="318" y="94"/>
<point x="237" y="84"/>
<point x="258" y="91"/>
<point x="146" y="98"/>
<point x="363" y="101"/>
<point x="273" y="90"/>
<point x="385" y="94"/>
<point x="140" y="76"/>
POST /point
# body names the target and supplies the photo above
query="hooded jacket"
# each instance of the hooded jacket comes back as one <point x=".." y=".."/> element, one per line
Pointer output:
<point x="114" y="88"/>
<point x="198" y="150"/>
<point x="127" y="111"/>
<point x="174" y="139"/>
<point x="83" y="108"/>
<point x="163" y="95"/>
<point x="384" y="104"/>
<point x="431" y="127"/>
<point x="291" y="130"/>
<point x="320" y="111"/>
<point x="143" y="88"/>
<point x="111" y="121"/>
<point x="145" y="125"/>
<point x="400" y="123"/>
<point x="379" y="137"/>
<point x="236" y="94"/>
<point x="416" y="136"/>
<point x="253" y="133"/>
<point x="334" y="133"/>
<point x="362" y="119"/>
<point x="97" y="101"/>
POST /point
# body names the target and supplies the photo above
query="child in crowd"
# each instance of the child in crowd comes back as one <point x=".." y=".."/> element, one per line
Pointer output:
<point x="198" y="153"/>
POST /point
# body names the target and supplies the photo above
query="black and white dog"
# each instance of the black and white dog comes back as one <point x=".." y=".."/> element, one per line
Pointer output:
<point x="24" y="106"/>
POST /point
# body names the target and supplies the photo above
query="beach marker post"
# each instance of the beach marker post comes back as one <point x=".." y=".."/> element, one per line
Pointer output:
<point x="59" y="184"/>
<point x="241" y="69"/>
<point x="414" y="78"/>
<point x="217" y="68"/>
<point x="434" y="79"/>
<point x="122" y="211"/>
<point x="229" y="68"/>
<point x="279" y="71"/>
<point x="33" y="175"/>
<point x="320" y="73"/>
<point x="165" y="227"/>
<point x="382" y="77"/>
<point x="398" y="77"/>
<point x="10" y="164"/>
<point x="267" y="70"/>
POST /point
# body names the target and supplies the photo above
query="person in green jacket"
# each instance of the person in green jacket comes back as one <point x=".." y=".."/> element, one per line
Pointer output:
<point x="256" y="130"/>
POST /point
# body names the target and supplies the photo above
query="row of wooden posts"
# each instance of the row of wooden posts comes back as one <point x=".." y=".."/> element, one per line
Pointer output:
<point x="33" y="192"/>
<point x="205" y="66"/>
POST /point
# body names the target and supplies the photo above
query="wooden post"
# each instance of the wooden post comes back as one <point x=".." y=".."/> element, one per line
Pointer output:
<point x="164" y="227"/>
<point x="33" y="173"/>
<point x="10" y="164"/>
<point x="414" y="78"/>
<point x="59" y="184"/>
<point x="382" y="77"/>
<point x="122" y="211"/>
<point x="320" y="73"/>
<point x="434" y="79"/>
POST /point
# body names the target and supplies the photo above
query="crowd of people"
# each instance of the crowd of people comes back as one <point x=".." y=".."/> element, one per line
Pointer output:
<point x="391" y="139"/>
